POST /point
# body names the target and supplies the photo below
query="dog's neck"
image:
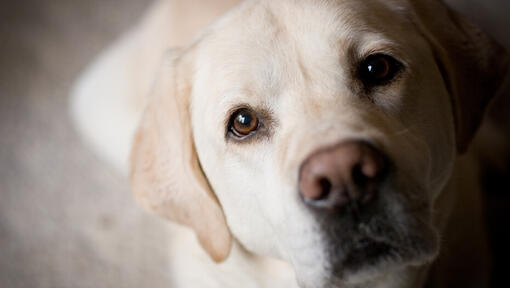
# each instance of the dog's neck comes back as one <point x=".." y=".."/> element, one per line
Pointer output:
<point x="190" y="266"/>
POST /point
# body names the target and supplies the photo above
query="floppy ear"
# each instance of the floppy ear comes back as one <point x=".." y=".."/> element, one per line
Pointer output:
<point x="472" y="64"/>
<point x="166" y="176"/>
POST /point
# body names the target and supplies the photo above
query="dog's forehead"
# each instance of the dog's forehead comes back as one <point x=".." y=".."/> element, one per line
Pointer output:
<point x="266" y="44"/>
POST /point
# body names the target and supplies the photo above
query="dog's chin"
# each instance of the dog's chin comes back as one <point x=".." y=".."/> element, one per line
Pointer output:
<point x="366" y="252"/>
<point x="382" y="246"/>
<point x="371" y="259"/>
<point x="367" y="249"/>
<point x="370" y="263"/>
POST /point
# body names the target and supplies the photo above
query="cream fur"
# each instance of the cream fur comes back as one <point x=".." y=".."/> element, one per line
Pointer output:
<point x="292" y="58"/>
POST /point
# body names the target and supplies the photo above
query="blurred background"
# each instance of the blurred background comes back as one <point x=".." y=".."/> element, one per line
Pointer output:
<point x="66" y="218"/>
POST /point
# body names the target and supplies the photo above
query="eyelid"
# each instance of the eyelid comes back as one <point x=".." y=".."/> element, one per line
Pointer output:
<point x="402" y="63"/>
<point x="390" y="49"/>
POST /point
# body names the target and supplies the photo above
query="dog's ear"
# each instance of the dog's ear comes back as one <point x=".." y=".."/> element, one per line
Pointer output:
<point x="473" y="65"/>
<point x="166" y="176"/>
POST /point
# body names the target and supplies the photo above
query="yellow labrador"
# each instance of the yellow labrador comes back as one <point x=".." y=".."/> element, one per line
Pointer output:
<point x="305" y="143"/>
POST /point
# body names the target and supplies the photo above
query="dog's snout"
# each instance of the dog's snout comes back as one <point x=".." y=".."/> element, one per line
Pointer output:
<point x="348" y="173"/>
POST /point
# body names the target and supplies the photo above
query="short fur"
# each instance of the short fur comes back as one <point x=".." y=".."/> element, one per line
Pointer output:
<point x="295" y="61"/>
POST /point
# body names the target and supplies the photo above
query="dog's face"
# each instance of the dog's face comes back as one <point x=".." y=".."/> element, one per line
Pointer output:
<point x="324" y="130"/>
<point x="295" y="80"/>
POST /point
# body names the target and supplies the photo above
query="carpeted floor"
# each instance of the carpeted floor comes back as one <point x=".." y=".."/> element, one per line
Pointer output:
<point x="66" y="219"/>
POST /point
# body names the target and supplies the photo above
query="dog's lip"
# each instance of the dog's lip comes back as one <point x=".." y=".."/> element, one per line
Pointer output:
<point x="367" y="251"/>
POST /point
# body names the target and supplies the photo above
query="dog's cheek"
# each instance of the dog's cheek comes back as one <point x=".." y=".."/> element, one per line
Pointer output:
<point x="423" y="142"/>
<point x="438" y="132"/>
<point x="240" y="179"/>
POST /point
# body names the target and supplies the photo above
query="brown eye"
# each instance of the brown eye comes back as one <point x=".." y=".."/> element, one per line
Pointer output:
<point x="243" y="122"/>
<point x="378" y="69"/>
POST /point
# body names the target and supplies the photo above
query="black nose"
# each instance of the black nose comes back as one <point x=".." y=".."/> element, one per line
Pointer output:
<point x="348" y="173"/>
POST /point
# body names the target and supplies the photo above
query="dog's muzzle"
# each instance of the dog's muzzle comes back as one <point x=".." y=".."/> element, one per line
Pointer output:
<point x="364" y="219"/>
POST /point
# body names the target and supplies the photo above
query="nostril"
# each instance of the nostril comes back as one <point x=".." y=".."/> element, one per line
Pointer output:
<point x="367" y="176"/>
<point x="359" y="177"/>
<point x="325" y="188"/>
<point x="370" y="170"/>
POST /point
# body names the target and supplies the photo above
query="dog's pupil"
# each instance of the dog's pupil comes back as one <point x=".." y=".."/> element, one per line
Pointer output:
<point x="378" y="68"/>
<point x="244" y="119"/>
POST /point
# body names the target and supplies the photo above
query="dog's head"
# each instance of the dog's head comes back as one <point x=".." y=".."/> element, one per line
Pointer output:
<point x="318" y="132"/>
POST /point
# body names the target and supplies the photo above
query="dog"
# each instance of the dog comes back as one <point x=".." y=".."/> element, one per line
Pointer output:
<point x="302" y="143"/>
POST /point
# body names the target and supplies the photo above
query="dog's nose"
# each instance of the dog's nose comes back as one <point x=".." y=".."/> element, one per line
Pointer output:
<point x="348" y="173"/>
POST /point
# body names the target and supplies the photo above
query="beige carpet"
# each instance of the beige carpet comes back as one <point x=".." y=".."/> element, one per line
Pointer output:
<point x="67" y="219"/>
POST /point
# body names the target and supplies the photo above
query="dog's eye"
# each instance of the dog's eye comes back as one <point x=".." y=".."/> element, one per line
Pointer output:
<point x="378" y="69"/>
<point x="243" y="122"/>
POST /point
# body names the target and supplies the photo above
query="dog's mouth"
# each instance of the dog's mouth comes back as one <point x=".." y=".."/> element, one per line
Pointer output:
<point x="367" y="257"/>
<point x="377" y="243"/>
<point x="367" y="252"/>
